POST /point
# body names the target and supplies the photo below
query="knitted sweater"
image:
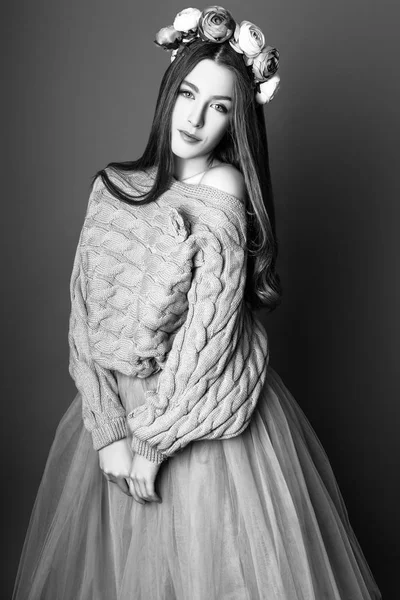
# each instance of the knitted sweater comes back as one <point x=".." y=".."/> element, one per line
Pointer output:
<point x="159" y="287"/>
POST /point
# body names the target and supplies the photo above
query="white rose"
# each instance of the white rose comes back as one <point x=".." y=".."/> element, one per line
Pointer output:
<point x="187" y="19"/>
<point x="250" y="39"/>
<point x="168" y="38"/>
<point x="268" y="89"/>
<point x="235" y="38"/>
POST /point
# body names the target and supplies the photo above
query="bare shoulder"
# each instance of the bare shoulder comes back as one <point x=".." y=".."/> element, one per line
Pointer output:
<point x="226" y="178"/>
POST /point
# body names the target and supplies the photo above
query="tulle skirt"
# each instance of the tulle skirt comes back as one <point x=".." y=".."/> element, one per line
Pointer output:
<point x="255" y="517"/>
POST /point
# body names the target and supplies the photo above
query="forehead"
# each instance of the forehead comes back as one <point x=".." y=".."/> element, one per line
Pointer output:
<point x="212" y="78"/>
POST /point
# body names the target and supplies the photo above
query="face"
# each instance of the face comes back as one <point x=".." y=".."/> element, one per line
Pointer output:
<point x="203" y="109"/>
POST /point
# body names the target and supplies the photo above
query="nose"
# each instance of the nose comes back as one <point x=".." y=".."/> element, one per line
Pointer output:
<point x="196" y="116"/>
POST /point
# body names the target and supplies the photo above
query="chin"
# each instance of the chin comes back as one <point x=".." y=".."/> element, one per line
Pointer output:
<point x="183" y="151"/>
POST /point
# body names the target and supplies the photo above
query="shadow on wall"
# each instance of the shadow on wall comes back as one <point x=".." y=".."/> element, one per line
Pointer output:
<point x="327" y="337"/>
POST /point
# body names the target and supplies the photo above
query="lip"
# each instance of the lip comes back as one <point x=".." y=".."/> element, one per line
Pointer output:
<point x="187" y="137"/>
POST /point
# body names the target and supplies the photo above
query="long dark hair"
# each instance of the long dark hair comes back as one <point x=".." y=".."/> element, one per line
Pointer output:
<point x="244" y="146"/>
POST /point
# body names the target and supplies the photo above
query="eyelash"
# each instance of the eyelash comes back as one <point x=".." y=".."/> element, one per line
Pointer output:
<point x="224" y="109"/>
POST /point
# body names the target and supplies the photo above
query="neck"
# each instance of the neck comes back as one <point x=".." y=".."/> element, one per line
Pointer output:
<point x="184" y="168"/>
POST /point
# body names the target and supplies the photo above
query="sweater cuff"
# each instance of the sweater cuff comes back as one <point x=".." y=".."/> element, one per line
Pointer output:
<point x="109" y="432"/>
<point x="149" y="452"/>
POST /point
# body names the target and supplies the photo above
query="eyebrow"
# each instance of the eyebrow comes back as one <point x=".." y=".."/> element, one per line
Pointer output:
<point x="196" y="89"/>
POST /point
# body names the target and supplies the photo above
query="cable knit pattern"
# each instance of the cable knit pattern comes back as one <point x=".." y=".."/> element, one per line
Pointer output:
<point x="159" y="287"/>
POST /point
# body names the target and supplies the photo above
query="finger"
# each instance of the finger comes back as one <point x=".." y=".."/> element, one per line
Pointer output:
<point x="136" y="493"/>
<point x="123" y="486"/>
<point x="117" y="481"/>
<point x="127" y="481"/>
<point x="108" y="477"/>
<point x="151" y="493"/>
<point x="131" y="487"/>
<point x="142" y="489"/>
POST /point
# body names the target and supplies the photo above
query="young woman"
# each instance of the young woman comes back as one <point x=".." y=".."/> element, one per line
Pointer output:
<point x="193" y="474"/>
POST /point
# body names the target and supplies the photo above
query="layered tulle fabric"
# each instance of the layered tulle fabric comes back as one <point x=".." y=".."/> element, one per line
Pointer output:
<point x="255" y="517"/>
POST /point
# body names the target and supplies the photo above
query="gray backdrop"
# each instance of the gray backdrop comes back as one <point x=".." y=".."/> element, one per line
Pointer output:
<point x="79" y="90"/>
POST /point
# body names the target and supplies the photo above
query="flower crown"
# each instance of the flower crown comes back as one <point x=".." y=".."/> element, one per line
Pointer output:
<point x="216" y="24"/>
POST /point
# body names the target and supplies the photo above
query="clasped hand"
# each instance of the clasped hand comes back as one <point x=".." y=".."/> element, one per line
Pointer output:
<point x="134" y="475"/>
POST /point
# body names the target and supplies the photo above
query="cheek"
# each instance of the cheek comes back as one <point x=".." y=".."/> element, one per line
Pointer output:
<point x="173" y="116"/>
<point x="219" y="128"/>
<point x="178" y="110"/>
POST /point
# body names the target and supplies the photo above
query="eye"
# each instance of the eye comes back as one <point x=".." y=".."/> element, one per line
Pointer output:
<point x="221" y="108"/>
<point x="183" y="92"/>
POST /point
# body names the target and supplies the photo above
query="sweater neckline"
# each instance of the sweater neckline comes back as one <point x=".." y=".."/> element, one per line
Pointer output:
<point x="199" y="190"/>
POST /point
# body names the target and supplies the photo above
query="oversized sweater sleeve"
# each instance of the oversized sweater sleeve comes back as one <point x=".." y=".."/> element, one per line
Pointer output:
<point x="103" y="413"/>
<point x="217" y="364"/>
